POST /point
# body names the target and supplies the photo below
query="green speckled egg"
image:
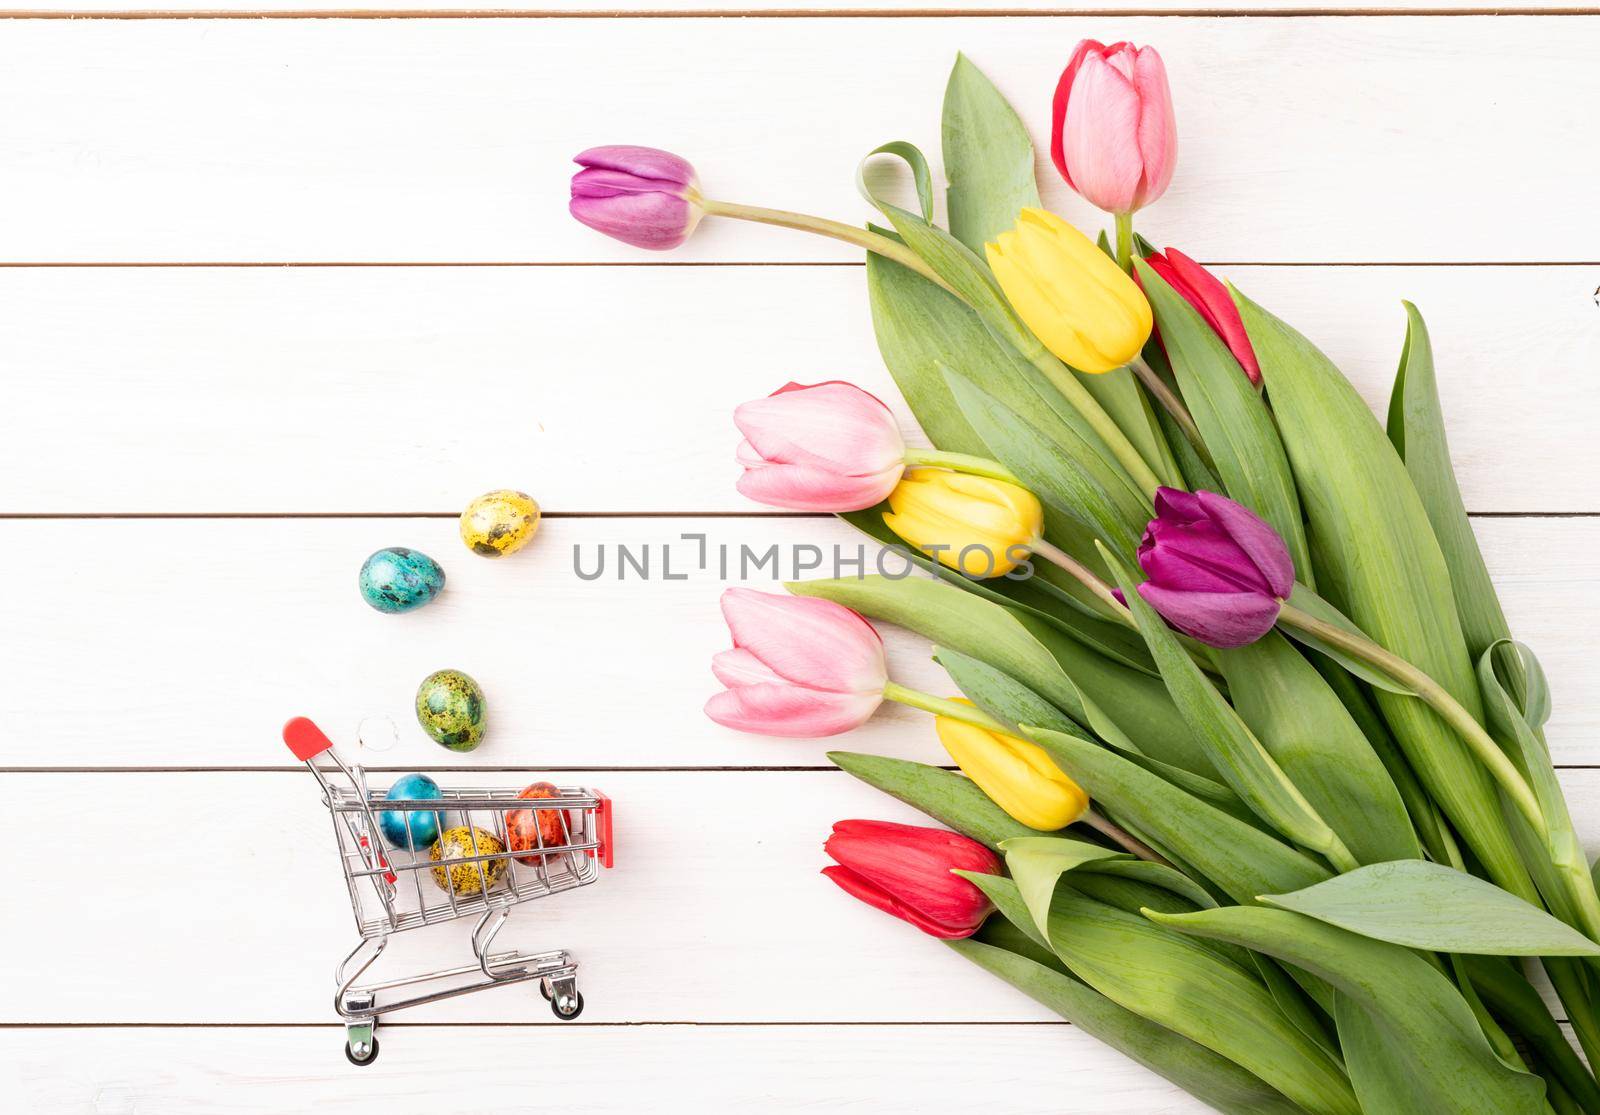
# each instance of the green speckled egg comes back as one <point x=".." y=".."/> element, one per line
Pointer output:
<point x="450" y="709"/>
<point x="499" y="522"/>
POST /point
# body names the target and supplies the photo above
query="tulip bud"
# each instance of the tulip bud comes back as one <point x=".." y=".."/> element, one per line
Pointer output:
<point x="826" y="447"/>
<point x="1113" y="136"/>
<point x="980" y="526"/>
<point x="908" y="871"/>
<point x="1017" y="775"/>
<point x="800" y="666"/>
<point x="1211" y="300"/>
<point x="1217" y="571"/>
<point x="1074" y="297"/>
<point x="639" y="195"/>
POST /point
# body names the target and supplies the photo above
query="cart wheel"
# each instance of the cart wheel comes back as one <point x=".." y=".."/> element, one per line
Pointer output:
<point x="544" y="989"/>
<point x="567" y="1007"/>
<point x="372" y="1054"/>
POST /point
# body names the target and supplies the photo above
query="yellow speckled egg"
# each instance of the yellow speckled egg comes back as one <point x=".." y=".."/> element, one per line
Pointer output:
<point x="499" y="523"/>
<point x="467" y="878"/>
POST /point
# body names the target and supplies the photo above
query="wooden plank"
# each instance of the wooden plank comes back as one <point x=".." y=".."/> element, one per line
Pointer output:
<point x="227" y="907"/>
<point x="233" y="875"/>
<point x="622" y="1070"/>
<point x="787" y="8"/>
<point x="412" y="389"/>
<point x="1304" y="139"/>
<point x="188" y="643"/>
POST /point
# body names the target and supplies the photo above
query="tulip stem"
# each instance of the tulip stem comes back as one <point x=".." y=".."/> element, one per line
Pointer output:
<point x="1124" y="223"/>
<point x="1121" y="837"/>
<point x="837" y="230"/>
<point x="1168" y="398"/>
<point x="941" y="706"/>
<point x="1086" y="577"/>
<point x="960" y="462"/>
<point x="1488" y="752"/>
<point x="1058" y="373"/>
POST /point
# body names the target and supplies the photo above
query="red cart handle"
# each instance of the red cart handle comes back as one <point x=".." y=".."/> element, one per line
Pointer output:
<point x="603" y="829"/>
<point x="305" y="739"/>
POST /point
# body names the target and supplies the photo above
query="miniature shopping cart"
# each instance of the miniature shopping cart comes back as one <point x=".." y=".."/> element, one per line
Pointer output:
<point x="504" y="850"/>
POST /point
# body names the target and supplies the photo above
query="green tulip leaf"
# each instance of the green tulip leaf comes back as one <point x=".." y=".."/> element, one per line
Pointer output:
<point x="1378" y="561"/>
<point x="1430" y="906"/>
<point x="1306" y="729"/>
<point x="1034" y="596"/>
<point x="1239" y="858"/>
<point x="1036" y="864"/>
<point x="947" y="797"/>
<point x="1233" y="421"/>
<point x="1410" y="1041"/>
<point x="1028" y="965"/>
<point x="1189" y="988"/>
<point x="1233" y="749"/>
<point x="1314" y="605"/>
<point x="1416" y="428"/>
<point x="988" y="158"/>
<point x="915" y="159"/>
<point x="1014" y="704"/>
<point x="1210" y="1078"/>
<point x="1517" y="668"/>
<point x="1512" y="998"/>
<point x="1071" y="477"/>
<point x="1070" y="675"/>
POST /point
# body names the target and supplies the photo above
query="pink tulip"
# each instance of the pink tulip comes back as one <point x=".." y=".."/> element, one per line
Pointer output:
<point x="825" y="447"/>
<point x="1113" y="136"/>
<point x="908" y="871"/>
<point x="1205" y="292"/>
<point x="800" y="666"/>
<point x="639" y="195"/>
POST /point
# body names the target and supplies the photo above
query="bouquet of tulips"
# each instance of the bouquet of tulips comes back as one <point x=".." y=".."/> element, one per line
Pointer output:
<point x="1253" y="783"/>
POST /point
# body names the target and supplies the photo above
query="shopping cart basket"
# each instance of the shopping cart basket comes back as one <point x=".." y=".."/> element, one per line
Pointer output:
<point x="495" y="850"/>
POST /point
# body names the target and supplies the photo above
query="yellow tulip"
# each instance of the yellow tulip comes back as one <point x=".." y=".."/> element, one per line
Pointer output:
<point x="1017" y="775"/>
<point x="983" y="527"/>
<point x="1074" y="297"/>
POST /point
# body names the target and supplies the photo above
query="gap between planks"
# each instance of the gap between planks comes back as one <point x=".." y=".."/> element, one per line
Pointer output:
<point x="398" y="264"/>
<point x="56" y="516"/>
<point x="795" y="13"/>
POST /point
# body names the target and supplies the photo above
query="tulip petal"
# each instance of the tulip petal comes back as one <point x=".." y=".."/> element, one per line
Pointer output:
<point x="1205" y="292"/>
<point x="1099" y="136"/>
<point x="1256" y="538"/>
<point x="832" y="425"/>
<point x="912" y="865"/>
<point x="645" y="162"/>
<point x="791" y="711"/>
<point x="1198" y="557"/>
<point x="1058" y="105"/>
<point x="1218" y="619"/>
<point x="1158" y="127"/>
<point x="646" y="220"/>
<point x="808" y="640"/>
<point x="737" y="667"/>
<point x="1170" y="502"/>
<point x="802" y="488"/>
<point x="878" y="898"/>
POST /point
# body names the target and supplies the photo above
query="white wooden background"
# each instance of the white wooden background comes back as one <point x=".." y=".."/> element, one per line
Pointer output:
<point x="277" y="292"/>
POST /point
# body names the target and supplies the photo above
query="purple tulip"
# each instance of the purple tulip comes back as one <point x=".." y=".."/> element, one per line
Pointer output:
<point x="641" y="196"/>
<point x="1217" y="571"/>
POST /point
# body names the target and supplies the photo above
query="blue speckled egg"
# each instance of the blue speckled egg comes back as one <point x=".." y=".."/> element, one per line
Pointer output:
<point x="396" y="579"/>
<point x="424" y="826"/>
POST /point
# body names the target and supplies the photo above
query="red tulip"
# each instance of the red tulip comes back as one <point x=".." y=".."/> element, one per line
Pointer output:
<point x="1113" y="136"/>
<point x="1205" y="292"/>
<point x="908" y="871"/>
